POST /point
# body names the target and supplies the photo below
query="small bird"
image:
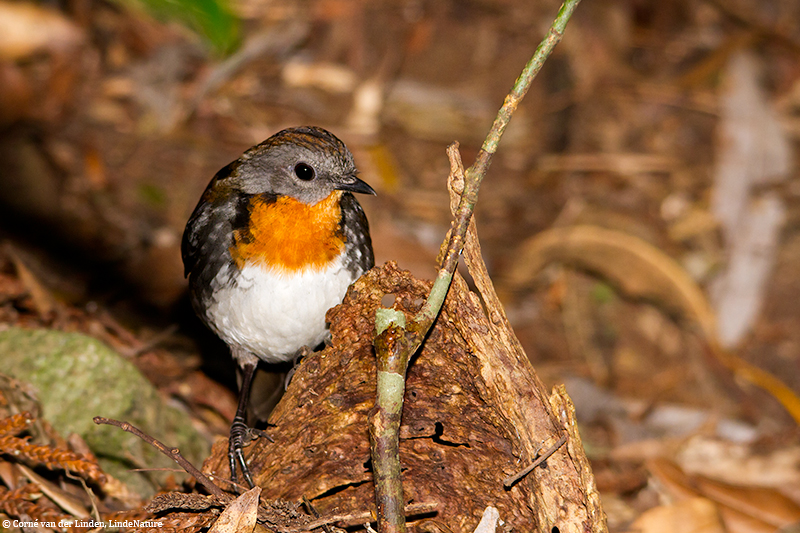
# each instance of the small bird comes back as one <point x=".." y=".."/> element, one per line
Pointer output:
<point x="275" y="241"/>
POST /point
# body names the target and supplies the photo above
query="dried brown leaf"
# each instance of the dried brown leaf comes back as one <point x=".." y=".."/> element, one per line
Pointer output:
<point x="742" y="464"/>
<point x="743" y="509"/>
<point x="622" y="163"/>
<point x="240" y="515"/>
<point x="27" y="28"/>
<point x="43" y="300"/>
<point x="766" y="505"/>
<point x="63" y="499"/>
<point x="696" y="515"/>
<point x="640" y="270"/>
<point x="635" y="266"/>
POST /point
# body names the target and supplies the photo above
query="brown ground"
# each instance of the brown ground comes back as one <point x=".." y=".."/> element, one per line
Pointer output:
<point x="112" y="124"/>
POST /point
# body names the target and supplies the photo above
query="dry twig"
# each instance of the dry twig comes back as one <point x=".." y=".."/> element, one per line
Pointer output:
<point x="510" y="480"/>
<point x="172" y="453"/>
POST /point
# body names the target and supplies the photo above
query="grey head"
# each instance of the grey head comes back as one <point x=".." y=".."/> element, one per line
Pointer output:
<point x="305" y="163"/>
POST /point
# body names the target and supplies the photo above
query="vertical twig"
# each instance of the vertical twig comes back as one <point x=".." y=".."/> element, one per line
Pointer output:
<point x="396" y="342"/>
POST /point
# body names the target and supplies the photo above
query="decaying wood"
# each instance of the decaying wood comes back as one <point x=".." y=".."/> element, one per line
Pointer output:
<point x="474" y="413"/>
<point x="562" y="508"/>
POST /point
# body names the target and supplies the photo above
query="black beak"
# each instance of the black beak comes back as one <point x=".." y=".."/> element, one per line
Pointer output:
<point x="356" y="185"/>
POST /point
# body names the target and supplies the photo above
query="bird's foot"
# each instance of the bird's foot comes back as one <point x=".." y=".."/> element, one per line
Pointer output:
<point x="239" y="431"/>
<point x="241" y="435"/>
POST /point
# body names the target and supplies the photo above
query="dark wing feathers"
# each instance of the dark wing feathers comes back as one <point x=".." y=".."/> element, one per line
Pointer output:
<point x="358" y="247"/>
<point x="208" y="237"/>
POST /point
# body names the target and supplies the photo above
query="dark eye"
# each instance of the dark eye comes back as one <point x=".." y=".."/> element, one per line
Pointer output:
<point x="304" y="172"/>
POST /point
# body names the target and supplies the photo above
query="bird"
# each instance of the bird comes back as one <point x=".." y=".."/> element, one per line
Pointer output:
<point x="273" y="243"/>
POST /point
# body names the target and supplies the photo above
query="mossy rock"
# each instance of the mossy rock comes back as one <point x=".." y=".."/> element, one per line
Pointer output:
<point x="78" y="378"/>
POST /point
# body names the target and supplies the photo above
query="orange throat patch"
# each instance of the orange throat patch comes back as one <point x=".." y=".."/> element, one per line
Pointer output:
<point x="289" y="235"/>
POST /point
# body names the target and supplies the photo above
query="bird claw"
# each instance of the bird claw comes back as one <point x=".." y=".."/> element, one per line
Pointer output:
<point x="235" y="451"/>
<point x="255" y="433"/>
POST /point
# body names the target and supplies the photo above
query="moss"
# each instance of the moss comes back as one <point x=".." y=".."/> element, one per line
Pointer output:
<point x="78" y="378"/>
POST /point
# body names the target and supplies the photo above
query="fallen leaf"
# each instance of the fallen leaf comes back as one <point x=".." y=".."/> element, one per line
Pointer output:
<point x="44" y="302"/>
<point x="622" y="163"/>
<point x="326" y="76"/>
<point x="739" y="463"/>
<point x="27" y="28"/>
<point x="743" y="509"/>
<point x="240" y="515"/>
<point x="640" y="270"/>
<point x="60" y="497"/>
<point x="637" y="267"/>
<point x="765" y="505"/>
<point x="697" y="515"/>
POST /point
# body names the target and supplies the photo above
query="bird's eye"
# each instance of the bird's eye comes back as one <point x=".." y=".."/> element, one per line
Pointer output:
<point x="304" y="171"/>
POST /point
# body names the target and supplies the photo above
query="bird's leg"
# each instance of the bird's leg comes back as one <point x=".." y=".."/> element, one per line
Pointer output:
<point x="239" y="427"/>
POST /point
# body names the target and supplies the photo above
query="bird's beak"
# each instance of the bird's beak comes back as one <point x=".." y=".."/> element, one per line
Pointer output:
<point x="356" y="185"/>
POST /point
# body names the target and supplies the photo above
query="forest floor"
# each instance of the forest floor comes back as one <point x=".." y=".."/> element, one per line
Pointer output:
<point x="656" y="150"/>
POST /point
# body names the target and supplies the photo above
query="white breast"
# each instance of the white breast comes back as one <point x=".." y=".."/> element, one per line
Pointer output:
<point x="272" y="314"/>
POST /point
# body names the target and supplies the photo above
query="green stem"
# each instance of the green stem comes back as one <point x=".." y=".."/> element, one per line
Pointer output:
<point x="395" y="344"/>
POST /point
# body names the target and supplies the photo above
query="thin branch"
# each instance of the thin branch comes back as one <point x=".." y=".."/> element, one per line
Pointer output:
<point x="476" y="173"/>
<point x="172" y="453"/>
<point x="510" y="480"/>
<point x="395" y="343"/>
<point x="313" y="512"/>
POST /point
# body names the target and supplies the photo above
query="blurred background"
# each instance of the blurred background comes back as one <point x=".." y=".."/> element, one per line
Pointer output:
<point x="656" y="149"/>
